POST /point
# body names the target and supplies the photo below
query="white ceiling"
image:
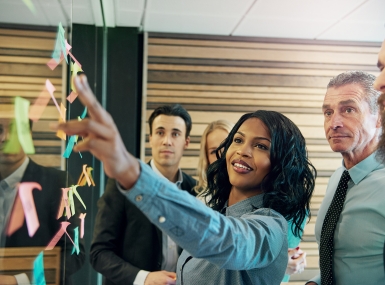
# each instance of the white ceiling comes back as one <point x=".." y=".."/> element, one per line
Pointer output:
<point x="353" y="20"/>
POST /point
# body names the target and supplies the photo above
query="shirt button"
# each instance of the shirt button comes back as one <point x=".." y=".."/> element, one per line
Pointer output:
<point x="138" y="198"/>
<point x="161" y="219"/>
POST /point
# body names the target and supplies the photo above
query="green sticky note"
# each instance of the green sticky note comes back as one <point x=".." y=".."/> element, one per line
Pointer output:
<point x="30" y="6"/>
<point x="12" y="145"/>
<point x="21" y="124"/>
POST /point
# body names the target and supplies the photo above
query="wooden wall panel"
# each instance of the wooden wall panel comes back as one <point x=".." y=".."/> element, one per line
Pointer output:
<point x="225" y="77"/>
<point x="23" y="72"/>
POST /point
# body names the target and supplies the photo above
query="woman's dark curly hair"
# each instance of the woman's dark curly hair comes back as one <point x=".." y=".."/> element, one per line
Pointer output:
<point x="290" y="183"/>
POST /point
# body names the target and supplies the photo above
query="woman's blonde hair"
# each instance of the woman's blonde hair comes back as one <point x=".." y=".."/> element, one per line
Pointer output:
<point x="203" y="159"/>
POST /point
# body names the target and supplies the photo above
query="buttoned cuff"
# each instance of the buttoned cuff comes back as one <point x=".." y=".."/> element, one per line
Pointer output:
<point x="141" y="277"/>
<point x="316" y="279"/>
<point x="22" y="279"/>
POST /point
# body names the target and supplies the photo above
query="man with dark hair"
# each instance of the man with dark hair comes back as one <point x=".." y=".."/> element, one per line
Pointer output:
<point x="16" y="168"/>
<point x="127" y="248"/>
<point x="350" y="222"/>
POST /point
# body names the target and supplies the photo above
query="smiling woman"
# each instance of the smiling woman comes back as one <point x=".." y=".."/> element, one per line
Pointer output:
<point x="245" y="240"/>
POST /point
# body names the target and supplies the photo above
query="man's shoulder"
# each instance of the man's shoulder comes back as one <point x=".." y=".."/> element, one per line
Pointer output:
<point x="37" y="171"/>
<point x="188" y="182"/>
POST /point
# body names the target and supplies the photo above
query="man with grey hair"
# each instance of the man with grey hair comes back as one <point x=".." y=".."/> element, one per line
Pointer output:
<point x="350" y="227"/>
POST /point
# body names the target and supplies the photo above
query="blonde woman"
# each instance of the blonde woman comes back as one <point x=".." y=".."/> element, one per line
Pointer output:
<point x="214" y="134"/>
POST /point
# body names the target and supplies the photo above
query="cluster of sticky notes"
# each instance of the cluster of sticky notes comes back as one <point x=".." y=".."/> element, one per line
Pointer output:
<point x="86" y="177"/>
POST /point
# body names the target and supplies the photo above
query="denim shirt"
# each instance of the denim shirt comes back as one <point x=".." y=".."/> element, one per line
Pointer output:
<point x="248" y="245"/>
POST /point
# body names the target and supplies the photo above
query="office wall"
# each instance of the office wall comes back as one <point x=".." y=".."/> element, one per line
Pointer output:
<point x="225" y="77"/>
<point x="24" y="53"/>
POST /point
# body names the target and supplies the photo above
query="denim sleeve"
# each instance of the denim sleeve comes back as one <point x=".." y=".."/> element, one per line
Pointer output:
<point x="252" y="241"/>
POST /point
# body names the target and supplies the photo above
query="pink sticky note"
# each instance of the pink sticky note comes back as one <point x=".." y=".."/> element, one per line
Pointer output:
<point x="58" y="235"/>
<point x="52" y="63"/>
<point x="68" y="47"/>
<point x="61" y="209"/>
<point x="66" y="204"/>
<point x="72" y="96"/>
<point x="39" y="105"/>
<point x="82" y="217"/>
<point x="51" y="89"/>
<point x="25" y="194"/>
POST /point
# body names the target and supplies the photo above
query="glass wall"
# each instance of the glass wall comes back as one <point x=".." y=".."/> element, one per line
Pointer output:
<point x="48" y="193"/>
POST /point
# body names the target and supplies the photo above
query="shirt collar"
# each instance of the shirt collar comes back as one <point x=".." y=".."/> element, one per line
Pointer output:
<point x="363" y="168"/>
<point x="17" y="175"/>
<point x="178" y="182"/>
<point x="245" y="206"/>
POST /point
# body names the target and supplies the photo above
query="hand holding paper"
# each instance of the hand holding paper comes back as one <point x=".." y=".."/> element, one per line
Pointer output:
<point x="101" y="138"/>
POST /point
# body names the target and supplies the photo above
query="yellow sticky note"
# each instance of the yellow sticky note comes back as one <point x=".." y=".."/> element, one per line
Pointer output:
<point x="75" y="68"/>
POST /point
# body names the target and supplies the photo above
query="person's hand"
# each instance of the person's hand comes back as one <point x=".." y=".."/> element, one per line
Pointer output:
<point x="8" y="280"/>
<point x="160" y="278"/>
<point x="297" y="261"/>
<point x="102" y="138"/>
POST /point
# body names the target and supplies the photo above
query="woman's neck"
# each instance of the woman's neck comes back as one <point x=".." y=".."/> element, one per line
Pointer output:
<point x="237" y="195"/>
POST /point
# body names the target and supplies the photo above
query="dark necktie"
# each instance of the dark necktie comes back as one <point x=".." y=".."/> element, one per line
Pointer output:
<point x="327" y="233"/>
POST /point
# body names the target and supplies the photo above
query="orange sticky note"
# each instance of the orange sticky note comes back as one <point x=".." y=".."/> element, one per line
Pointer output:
<point x="16" y="219"/>
<point x="86" y="177"/>
<point x="65" y="204"/>
<point x="60" y="133"/>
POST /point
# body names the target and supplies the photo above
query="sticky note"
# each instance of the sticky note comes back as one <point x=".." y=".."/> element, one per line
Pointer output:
<point x="76" y="238"/>
<point x="16" y="219"/>
<point x="12" y="145"/>
<point x="82" y="218"/>
<point x="38" y="270"/>
<point x="39" y="105"/>
<point x="60" y="45"/>
<point x="71" y="200"/>
<point x="60" y="133"/>
<point x="70" y="146"/>
<point x="20" y="126"/>
<point x="75" y="68"/>
<point x="86" y="177"/>
<point x="58" y="235"/>
<point x="72" y="97"/>
<point x="83" y="115"/>
<point x="25" y="194"/>
<point x="75" y="191"/>
<point x="30" y="6"/>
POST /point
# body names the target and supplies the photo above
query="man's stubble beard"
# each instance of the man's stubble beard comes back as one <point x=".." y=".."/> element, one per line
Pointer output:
<point x="381" y="144"/>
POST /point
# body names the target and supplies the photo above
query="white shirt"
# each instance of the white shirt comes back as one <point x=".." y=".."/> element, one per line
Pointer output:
<point x="169" y="247"/>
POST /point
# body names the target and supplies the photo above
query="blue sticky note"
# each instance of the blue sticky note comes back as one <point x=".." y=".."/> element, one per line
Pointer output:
<point x="38" y="270"/>
<point x="76" y="241"/>
<point x="83" y="115"/>
<point x="70" y="146"/>
<point x="60" y="45"/>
